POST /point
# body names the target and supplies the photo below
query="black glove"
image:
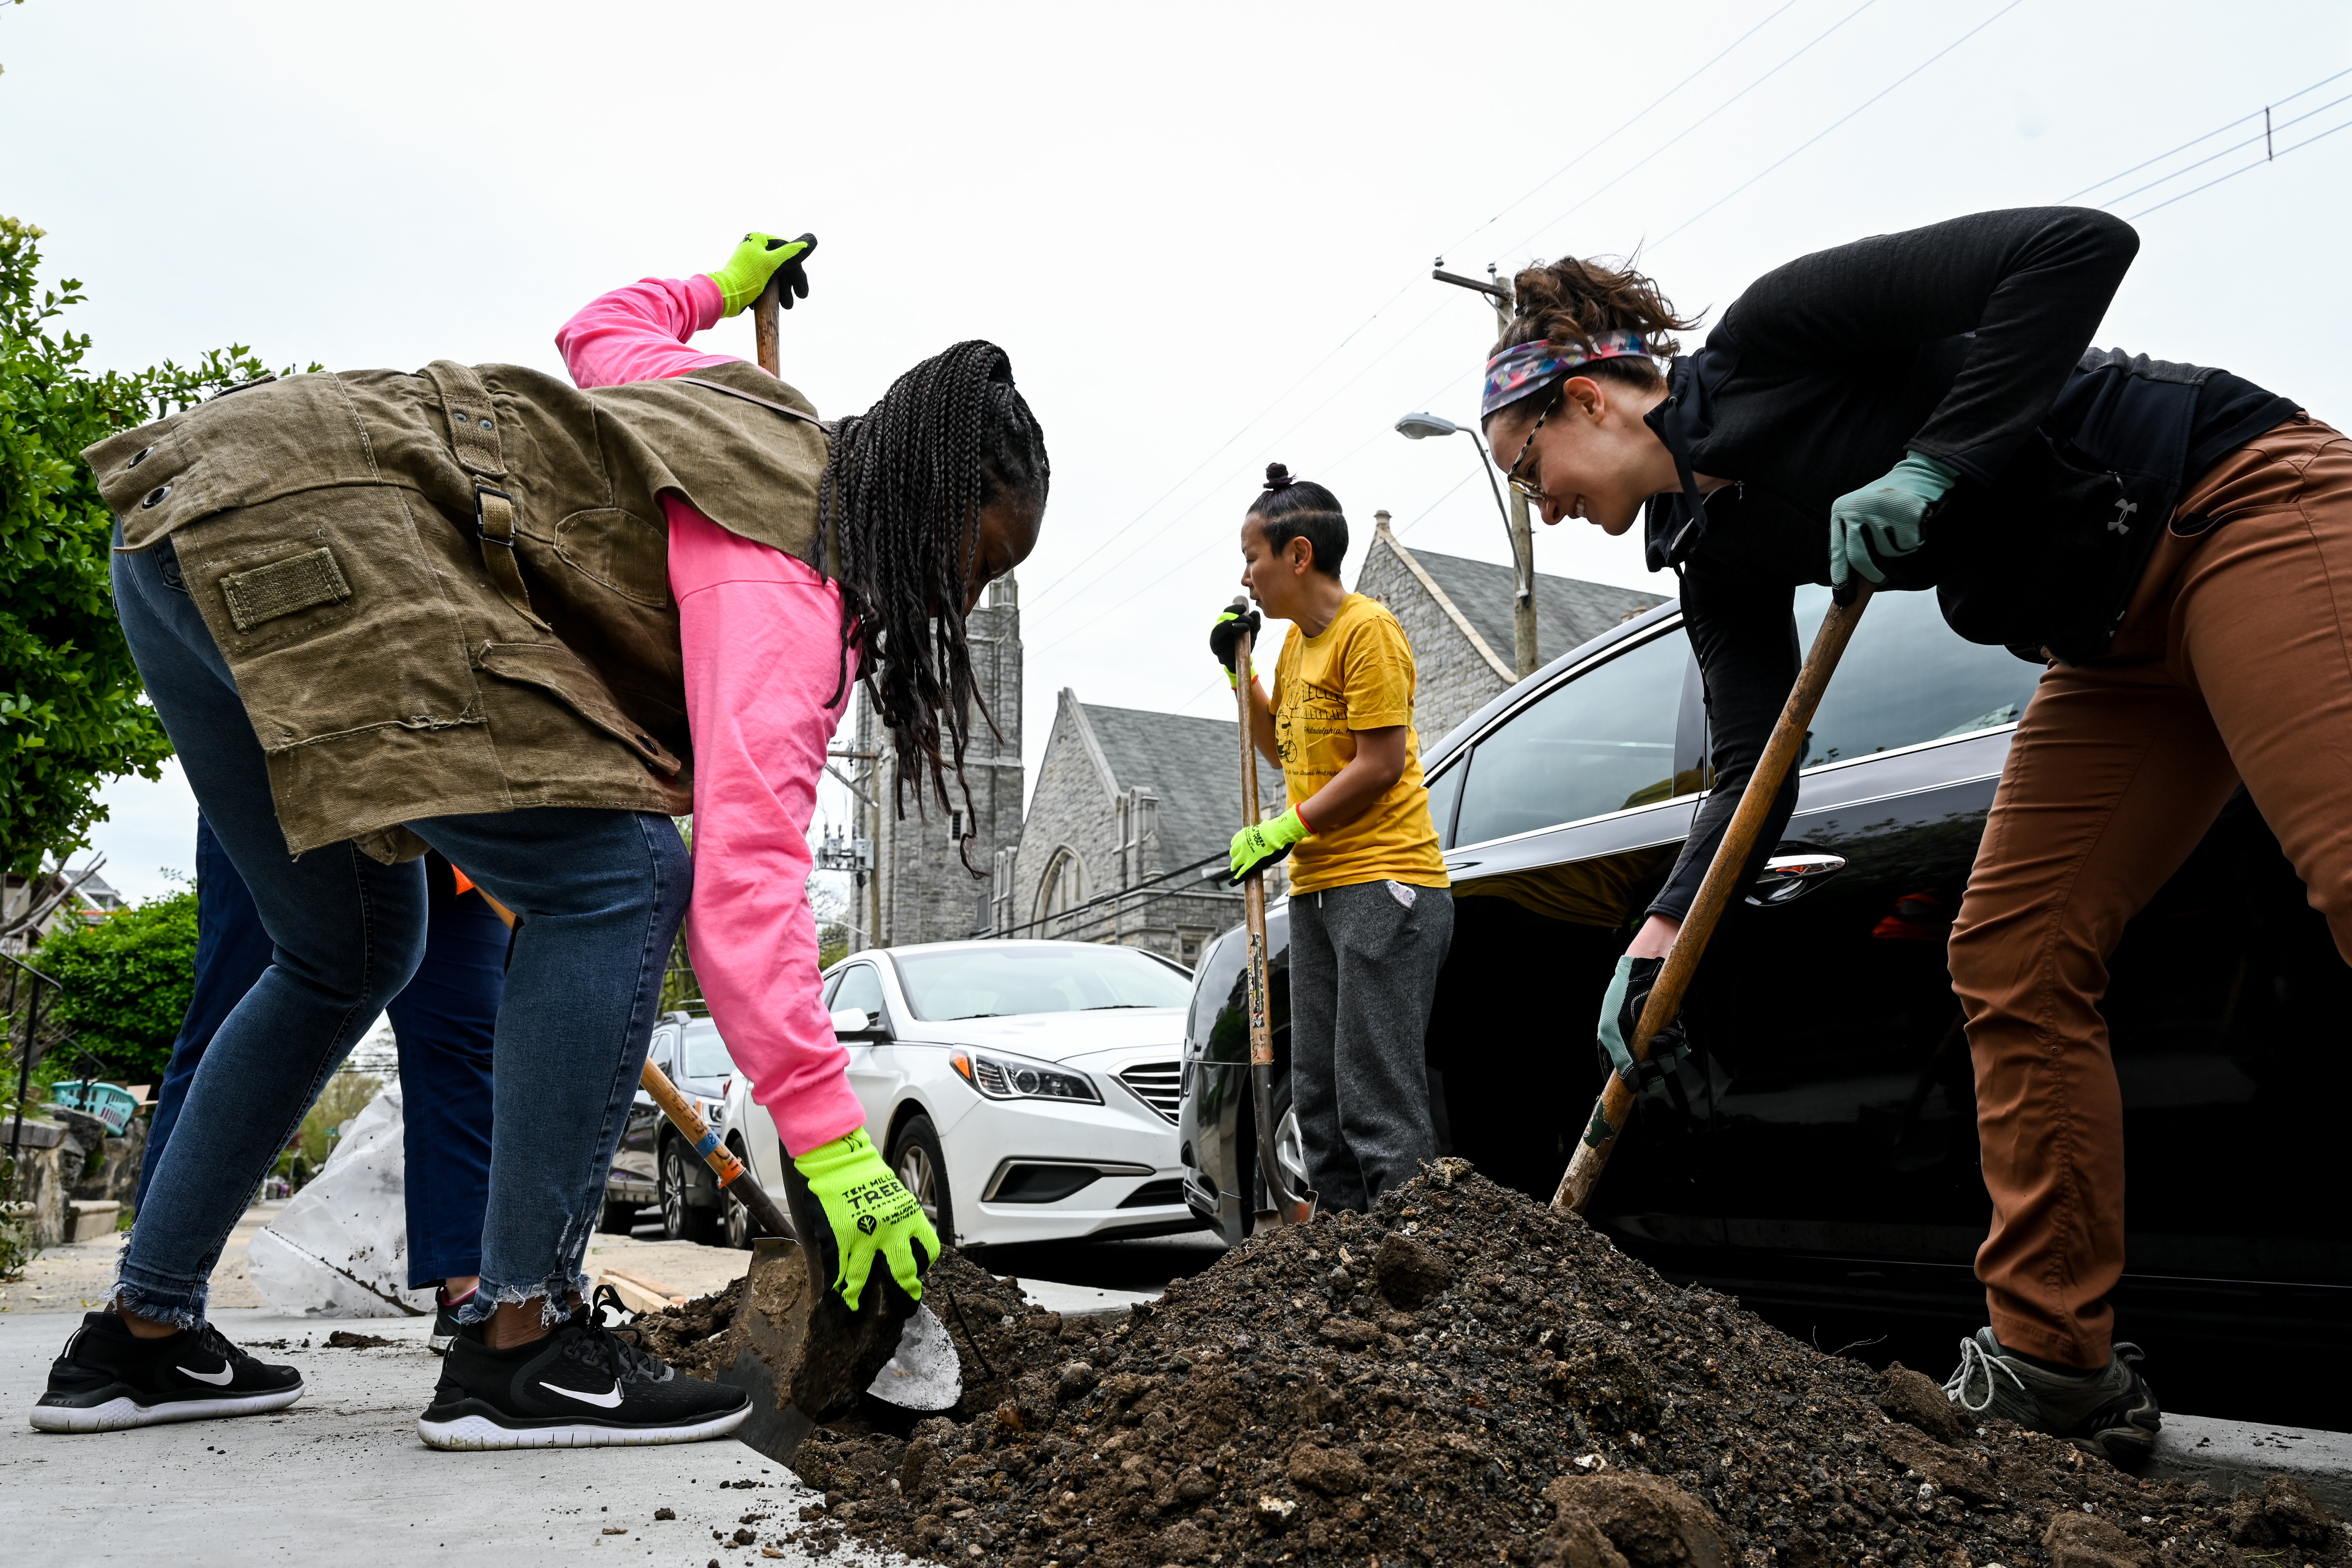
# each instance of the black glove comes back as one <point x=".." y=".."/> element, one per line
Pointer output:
<point x="792" y="277"/>
<point x="1226" y="631"/>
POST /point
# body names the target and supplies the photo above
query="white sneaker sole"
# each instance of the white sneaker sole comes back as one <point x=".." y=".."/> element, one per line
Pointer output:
<point x="478" y="1433"/>
<point x="120" y="1415"/>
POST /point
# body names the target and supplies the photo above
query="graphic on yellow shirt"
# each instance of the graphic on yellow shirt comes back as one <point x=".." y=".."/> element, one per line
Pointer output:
<point x="1357" y="675"/>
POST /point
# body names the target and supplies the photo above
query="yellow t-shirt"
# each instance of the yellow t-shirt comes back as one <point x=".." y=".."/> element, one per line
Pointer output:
<point x="1358" y="675"/>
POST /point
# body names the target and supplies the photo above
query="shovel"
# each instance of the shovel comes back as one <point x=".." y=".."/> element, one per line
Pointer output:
<point x="1615" y="1105"/>
<point x="806" y="1356"/>
<point x="1289" y="1208"/>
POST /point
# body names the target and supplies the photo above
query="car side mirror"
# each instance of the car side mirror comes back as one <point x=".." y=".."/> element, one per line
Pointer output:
<point x="856" y="1022"/>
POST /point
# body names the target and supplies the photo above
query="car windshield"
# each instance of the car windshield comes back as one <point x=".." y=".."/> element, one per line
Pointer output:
<point x="705" y="1054"/>
<point x="1003" y="979"/>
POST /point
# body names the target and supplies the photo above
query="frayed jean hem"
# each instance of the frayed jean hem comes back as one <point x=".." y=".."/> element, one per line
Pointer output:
<point x="182" y="1309"/>
<point x="555" y="1295"/>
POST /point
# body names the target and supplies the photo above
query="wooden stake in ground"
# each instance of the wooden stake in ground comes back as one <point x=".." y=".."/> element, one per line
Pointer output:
<point x="1288" y="1208"/>
<point x="1780" y="753"/>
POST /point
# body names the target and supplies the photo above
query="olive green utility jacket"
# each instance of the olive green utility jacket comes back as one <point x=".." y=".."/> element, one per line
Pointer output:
<point x="448" y="591"/>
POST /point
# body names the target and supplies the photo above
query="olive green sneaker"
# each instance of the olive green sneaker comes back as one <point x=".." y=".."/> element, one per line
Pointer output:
<point x="2113" y="1407"/>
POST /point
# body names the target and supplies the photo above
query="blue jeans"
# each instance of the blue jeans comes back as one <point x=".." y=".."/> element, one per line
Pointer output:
<point x="601" y="894"/>
<point x="443" y="1022"/>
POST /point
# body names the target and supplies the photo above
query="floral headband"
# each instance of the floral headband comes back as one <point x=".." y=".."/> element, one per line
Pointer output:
<point x="1529" y="367"/>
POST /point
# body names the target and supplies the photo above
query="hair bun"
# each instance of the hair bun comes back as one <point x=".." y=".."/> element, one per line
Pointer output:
<point x="1278" y="477"/>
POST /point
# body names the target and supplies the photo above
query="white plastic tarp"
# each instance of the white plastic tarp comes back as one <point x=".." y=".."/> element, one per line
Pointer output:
<point x="340" y="1249"/>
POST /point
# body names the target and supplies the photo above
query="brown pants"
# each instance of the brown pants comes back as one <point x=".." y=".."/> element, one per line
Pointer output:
<point x="2234" y="664"/>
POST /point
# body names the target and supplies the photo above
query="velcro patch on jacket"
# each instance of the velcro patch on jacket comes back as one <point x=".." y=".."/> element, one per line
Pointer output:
<point x="283" y="588"/>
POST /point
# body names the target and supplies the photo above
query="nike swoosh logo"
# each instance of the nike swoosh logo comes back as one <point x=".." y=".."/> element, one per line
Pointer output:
<point x="217" y="1379"/>
<point x="608" y="1400"/>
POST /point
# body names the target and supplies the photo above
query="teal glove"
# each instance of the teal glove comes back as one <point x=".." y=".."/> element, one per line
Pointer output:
<point x="1621" y="1016"/>
<point x="756" y="260"/>
<point x="870" y="1211"/>
<point x="1881" y="521"/>
<point x="1264" y="844"/>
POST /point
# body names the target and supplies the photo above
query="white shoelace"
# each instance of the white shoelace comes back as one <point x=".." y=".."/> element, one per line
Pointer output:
<point x="1975" y="1360"/>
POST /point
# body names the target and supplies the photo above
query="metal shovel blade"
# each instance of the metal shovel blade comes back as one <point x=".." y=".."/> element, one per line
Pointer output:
<point x="926" y="1374"/>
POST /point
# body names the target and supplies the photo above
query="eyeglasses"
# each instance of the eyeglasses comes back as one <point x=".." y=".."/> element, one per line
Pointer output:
<point x="1530" y="488"/>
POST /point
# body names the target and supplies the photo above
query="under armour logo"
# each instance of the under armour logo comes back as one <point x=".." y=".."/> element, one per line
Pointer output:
<point x="2124" y="509"/>
<point x="865" y="1223"/>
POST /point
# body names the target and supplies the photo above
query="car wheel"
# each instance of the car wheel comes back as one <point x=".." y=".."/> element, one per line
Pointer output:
<point x="681" y="1220"/>
<point x="739" y="1229"/>
<point x="915" y="1156"/>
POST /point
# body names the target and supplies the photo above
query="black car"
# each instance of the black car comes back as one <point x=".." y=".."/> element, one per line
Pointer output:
<point x="654" y="1164"/>
<point x="1817" y="1154"/>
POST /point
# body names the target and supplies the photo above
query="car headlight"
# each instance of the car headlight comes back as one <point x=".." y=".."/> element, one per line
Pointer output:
<point x="999" y="1077"/>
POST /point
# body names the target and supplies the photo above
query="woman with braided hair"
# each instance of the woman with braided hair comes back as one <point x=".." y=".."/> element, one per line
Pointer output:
<point x="527" y="623"/>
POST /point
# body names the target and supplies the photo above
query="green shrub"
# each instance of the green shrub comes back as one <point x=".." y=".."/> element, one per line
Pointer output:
<point x="127" y="980"/>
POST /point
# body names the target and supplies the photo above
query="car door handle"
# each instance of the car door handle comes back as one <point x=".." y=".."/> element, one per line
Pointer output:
<point x="1788" y="877"/>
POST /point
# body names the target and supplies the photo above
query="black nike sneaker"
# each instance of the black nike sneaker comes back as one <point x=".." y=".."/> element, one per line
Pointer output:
<point x="445" y="1317"/>
<point x="582" y="1386"/>
<point x="108" y="1379"/>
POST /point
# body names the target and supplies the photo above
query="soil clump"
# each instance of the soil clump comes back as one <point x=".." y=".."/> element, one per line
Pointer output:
<point x="1465" y="1377"/>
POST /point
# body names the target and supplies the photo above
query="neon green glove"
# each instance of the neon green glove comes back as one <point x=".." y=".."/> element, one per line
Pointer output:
<point x="1264" y="844"/>
<point x="754" y="262"/>
<point x="1883" y="522"/>
<point x="870" y="1211"/>
<point x="1225" y="636"/>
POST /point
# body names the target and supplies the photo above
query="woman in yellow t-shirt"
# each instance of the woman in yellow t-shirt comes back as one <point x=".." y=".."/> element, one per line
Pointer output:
<point x="1370" y="913"/>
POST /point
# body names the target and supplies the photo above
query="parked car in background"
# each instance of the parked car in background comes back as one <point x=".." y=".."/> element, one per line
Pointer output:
<point x="654" y="1164"/>
<point x="1817" y="1156"/>
<point x="1022" y="1091"/>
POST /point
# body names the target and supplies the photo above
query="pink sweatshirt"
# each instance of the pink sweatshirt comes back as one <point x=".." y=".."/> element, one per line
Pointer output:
<point x="762" y="634"/>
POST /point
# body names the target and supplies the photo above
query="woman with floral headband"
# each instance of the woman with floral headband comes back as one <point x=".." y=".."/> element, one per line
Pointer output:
<point x="1923" y="409"/>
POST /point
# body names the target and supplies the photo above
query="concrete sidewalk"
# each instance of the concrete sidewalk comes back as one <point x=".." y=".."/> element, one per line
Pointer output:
<point x="343" y="1474"/>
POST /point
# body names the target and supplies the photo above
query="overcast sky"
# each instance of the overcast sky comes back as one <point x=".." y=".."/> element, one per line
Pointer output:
<point x="1205" y="234"/>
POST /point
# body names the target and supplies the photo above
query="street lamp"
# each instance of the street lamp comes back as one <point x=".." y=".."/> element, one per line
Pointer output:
<point x="1420" y="427"/>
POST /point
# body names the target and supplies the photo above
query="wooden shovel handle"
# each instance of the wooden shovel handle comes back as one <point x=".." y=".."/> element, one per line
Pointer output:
<point x="764" y="327"/>
<point x="1723" y="876"/>
<point x="721" y="1159"/>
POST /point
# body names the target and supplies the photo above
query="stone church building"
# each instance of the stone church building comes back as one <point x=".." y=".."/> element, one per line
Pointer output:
<point x="1456" y="613"/>
<point x="1127" y="801"/>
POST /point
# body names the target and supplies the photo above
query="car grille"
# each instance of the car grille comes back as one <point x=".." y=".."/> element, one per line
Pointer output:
<point x="1156" y="1084"/>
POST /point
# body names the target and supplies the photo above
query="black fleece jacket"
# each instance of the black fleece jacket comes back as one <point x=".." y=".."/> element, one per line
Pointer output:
<point x="1952" y="341"/>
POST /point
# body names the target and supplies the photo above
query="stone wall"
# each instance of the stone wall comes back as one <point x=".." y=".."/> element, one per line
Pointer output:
<point x="1111" y="826"/>
<point x="927" y="895"/>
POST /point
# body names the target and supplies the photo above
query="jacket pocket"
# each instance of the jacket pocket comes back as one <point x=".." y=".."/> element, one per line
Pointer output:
<point x="329" y="617"/>
<point x="2047" y="555"/>
<point x="555" y="668"/>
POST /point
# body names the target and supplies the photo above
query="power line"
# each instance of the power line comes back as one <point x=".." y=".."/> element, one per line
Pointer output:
<point x="1040" y="594"/>
<point x="1539" y="185"/>
<point x="1841" y="119"/>
<point x="2193" y="141"/>
<point x="1694" y="124"/>
<point x="2233" y="173"/>
<point x="1246" y="425"/>
<point x="1157" y="532"/>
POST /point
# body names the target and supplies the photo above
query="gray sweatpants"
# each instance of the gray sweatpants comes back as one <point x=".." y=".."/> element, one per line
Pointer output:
<point x="1363" y="966"/>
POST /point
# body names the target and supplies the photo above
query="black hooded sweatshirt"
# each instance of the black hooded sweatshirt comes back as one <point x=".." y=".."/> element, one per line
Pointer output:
<point x="1965" y="341"/>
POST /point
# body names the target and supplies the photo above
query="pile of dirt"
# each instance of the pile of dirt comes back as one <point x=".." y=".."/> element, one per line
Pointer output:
<point x="1465" y="1377"/>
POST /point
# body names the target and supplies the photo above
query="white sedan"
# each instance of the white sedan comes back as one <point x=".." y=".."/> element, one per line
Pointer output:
<point x="1022" y="1091"/>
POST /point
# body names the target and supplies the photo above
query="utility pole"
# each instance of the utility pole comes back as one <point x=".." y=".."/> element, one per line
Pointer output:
<point x="1523" y="540"/>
